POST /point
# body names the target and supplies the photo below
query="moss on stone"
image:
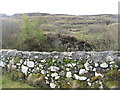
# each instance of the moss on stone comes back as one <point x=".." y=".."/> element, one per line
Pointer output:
<point x="115" y="66"/>
<point x="16" y="60"/>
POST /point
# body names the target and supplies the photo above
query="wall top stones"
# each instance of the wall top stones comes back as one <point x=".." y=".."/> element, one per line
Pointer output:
<point x="79" y="55"/>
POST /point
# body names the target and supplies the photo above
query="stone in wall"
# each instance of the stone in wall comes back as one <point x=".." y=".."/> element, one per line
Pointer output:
<point x="55" y="65"/>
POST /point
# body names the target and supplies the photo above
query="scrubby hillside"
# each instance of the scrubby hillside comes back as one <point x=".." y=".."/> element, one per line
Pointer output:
<point x="90" y="32"/>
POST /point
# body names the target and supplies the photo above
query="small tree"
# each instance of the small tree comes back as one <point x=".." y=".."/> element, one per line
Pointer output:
<point x="38" y="32"/>
<point x="31" y="33"/>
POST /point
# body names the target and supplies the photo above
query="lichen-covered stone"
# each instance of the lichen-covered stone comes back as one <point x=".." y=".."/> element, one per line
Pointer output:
<point x="43" y="71"/>
<point x="94" y="69"/>
<point x="96" y="64"/>
<point x="67" y="69"/>
<point x="90" y="84"/>
<point x="62" y="73"/>
<point x="52" y="85"/>
<point x="73" y="64"/>
<point x="57" y="77"/>
<point x="86" y="65"/>
<point x="83" y="78"/>
<point x="69" y="65"/>
<point x="68" y="74"/>
<point x="24" y="69"/>
<point x="54" y="74"/>
<point x="47" y="82"/>
<point x="109" y="58"/>
<point x="76" y="76"/>
<point x="54" y="68"/>
<point x="82" y="71"/>
<point x="30" y="63"/>
<point x="43" y="60"/>
<point x="104" y="65"/>
<point x="98" y="74"/>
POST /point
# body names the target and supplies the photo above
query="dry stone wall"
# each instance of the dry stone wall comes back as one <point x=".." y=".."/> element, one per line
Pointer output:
<point x="55" y="65"/>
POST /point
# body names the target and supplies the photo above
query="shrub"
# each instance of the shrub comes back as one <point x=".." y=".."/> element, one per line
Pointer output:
<point x="101" y="37"/>
<point x="31" y="35"/>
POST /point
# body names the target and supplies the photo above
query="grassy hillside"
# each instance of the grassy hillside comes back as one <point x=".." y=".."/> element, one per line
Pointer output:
<point x="93" y="29"/>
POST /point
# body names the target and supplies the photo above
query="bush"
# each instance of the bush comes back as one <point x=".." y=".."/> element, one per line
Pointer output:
<point x="31" y="35"/>
<point x="101" y="37"/>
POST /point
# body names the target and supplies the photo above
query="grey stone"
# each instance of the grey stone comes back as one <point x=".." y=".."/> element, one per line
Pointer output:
<point x="62" y="73"/>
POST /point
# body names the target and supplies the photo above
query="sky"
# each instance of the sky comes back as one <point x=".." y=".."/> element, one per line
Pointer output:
<point x="72" y="7"/>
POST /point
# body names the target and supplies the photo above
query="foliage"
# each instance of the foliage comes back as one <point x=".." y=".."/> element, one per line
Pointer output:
<point x="8" y="83"/>
<point x="113" y="75"/>
<point x="10" y="28"/>
<point x="112" y="79"/>
<point x="101" y="37"/>
<point x="100" y="32"/>
<point x="31" y="34"/>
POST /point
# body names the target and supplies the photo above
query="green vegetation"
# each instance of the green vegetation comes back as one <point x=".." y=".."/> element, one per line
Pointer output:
<point x="39" y="32"/>
<point x="34" y="81"/>
<point x="112" y="79"/>
<point x="18" y="80"/>
<point x="111" y="84"/>
<point x="7" y="82"/>
<point x="31" y="33"/>
<point x="15" y="79"/>
<point x="101" y="37"/>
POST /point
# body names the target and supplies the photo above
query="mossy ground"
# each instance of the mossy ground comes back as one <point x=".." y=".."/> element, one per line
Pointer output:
<point x="112" y="79"/>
